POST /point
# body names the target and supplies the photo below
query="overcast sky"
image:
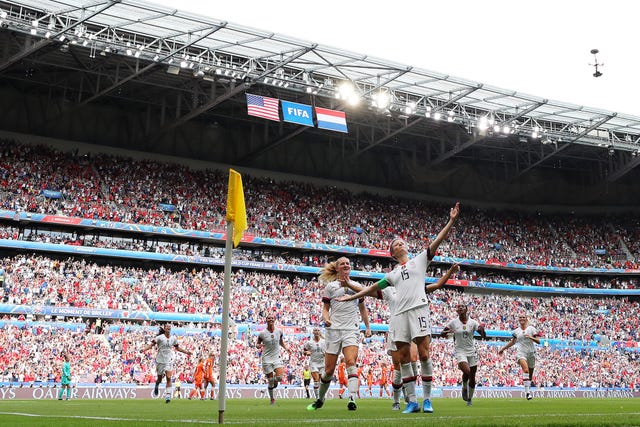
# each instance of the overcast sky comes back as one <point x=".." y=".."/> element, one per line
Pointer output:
<point x="540" y="47"/>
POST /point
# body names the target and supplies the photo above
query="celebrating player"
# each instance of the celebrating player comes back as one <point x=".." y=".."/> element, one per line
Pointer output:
<point x="411" y="321"/>
<point x="524" y="337"/>
<point x="164" y="359"/>
<point x="343" y="329"/>
<point x="463" y="328"/>
<point x="315" y="348"/>
<point x="270" y="340"/>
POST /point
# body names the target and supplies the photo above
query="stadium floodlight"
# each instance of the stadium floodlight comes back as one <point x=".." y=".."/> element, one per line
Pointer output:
<point x="506" y="129"/>
<point x="410" y="107"/>
<point x="3" y="14"/>
<point x="381" y="100"/>
<point x="436" y="115"/>
<point x="34" y="31"/>
<point x="173" y="69"/>
<point x="483" y="123"/>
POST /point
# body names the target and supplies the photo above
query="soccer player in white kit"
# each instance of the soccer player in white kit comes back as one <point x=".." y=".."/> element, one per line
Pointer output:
<point x="271" y="340"/>
<point x="524" y="337"/>
<point x="315" y="349"/>
<point x="342" y="324"/>
<point x="463" y="329"/>
<point x="411" y="321"/>
<point x="164" y="359"/>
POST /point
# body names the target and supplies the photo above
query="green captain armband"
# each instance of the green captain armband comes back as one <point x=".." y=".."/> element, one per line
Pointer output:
<point x="383" y="283"/>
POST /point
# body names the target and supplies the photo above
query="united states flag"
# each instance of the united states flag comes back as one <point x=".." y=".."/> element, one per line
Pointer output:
<point x="261" y="106"/>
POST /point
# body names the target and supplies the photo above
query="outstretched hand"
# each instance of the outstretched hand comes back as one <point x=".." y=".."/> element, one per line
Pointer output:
<point x="454" y="269"/>
<point x="455" y="211"/>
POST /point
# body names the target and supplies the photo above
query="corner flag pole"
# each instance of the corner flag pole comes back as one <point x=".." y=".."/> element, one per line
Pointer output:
<point x="236" y="224"/>
<point x="224" y="343"/>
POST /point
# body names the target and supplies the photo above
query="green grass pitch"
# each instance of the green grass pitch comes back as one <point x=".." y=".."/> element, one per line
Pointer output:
<point x="292" y="412"/>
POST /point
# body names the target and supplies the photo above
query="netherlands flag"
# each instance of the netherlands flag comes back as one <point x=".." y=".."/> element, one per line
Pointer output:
<point x="331" y="119"/>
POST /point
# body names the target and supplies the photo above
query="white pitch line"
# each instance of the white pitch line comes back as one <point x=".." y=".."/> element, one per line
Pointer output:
<point x="305" y="421"/>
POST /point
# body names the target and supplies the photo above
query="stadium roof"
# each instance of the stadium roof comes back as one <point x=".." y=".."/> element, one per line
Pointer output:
<point x="394" y="99"/>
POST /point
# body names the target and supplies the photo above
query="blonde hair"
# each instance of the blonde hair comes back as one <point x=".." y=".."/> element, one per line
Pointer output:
<point x="329" y="272"/>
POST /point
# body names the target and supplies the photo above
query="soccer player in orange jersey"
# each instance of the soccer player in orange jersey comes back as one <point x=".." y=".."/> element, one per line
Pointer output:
<point x="384" y="379"/>
<point x="370" y="381"/>
<point x="342" y="377"/>
<point x="198" y="377"/>
<point x="208" y="377"/>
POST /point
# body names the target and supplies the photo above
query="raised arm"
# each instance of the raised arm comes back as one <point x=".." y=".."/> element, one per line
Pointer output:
<point x="369" y="290"/>
<point x="453" y="216"/>
<point x="440" y="283"/>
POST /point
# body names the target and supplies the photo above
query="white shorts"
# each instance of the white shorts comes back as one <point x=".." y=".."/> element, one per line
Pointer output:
<point x="162" y="368"/>
<point x="269" y="366"/>
<point x="317" y="367"/>
<point x="390" y="344"/>
<point x="471" y="359"/>
<point x="337" y="339"/>
<point x="529" y="357"/>
<point x="411" y="324"/>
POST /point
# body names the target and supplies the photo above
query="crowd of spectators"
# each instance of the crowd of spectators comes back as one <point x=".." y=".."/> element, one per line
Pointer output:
<point x="31" y="355"/>
<point x="312" y="259"/>
<point x="113" y="188"/>
<point x="294" y="299"/>
<point x="105" y="187"/>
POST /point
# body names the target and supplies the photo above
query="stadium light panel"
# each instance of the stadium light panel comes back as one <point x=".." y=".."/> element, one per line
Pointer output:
<point x="483" y="123"/>
<point x="381" y="100"/>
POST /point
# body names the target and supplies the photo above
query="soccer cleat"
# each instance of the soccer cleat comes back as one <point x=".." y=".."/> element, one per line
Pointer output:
<point x="167" y="399"/>
<point x="395" y="407"/>
<point x="469" y="403"/>
<point x="273" y="401"/>
<point x="411" y="408"/>
<point x="529" y="396"/>
<point x="465" y="394"/>
<point x="352" y="404"/>
<point x="315" y="405"/>
<point x="426" y="406"/>
<point x="155" y="391"/>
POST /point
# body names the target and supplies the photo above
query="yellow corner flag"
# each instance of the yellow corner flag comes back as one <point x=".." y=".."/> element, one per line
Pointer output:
<point x="236" y="211"/>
